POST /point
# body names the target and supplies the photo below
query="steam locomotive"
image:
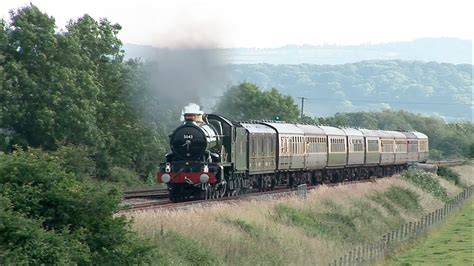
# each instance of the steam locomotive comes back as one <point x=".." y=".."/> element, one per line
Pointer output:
<point x="213" y="157"/>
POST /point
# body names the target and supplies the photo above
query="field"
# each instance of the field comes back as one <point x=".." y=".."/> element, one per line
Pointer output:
<point x="291" y="231"/>
<point x="451" y="244"/>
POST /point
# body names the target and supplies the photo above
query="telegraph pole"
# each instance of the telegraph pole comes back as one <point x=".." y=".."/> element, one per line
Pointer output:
<point x="302" y="105"/>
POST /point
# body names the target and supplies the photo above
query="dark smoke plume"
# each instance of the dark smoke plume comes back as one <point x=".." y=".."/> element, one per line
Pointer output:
<point x="180" y="76"/>
<point x="187" y="68"/>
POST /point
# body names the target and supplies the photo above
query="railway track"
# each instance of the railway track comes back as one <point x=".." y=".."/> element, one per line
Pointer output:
<point x="446" y="162"/>
<point x="146" y="193"/>
<point x="281" y="192"/>
<point x="158" y="198"/>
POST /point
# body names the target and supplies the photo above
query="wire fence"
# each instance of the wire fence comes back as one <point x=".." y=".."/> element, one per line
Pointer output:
<point x="371" y="253"/>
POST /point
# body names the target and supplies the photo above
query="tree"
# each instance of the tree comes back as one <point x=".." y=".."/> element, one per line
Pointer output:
<point x="47" y="216"/>
<point x="247" y="101"/>
<point x="72" y="88"/>
<point x="48" y="96"/>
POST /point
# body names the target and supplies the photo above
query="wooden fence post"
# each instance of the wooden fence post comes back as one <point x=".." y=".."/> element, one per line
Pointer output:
<point x="369" y="259"/>
<point x="359" y="256"/>
<point x="402" y="233"/>
<point x="362" y="257"/>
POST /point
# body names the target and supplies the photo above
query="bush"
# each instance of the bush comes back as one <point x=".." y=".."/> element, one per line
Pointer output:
<point x="77" y="160"/>
<point x="436" y="155"/>
<point x="428" y="183"/>
<point x="448" y="174"/>
<point x="50" y="217"/>
<point x="123" y="176"/>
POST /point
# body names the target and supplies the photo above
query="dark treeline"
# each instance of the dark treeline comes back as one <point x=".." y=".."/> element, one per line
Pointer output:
<point x="447" y="140"/>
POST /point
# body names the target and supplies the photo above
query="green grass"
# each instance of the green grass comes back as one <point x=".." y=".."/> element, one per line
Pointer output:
<point x="254" y="245"/>
<point x="428" y="183"/>
<point x="451" y="244"/>
<point x="359" y="223"/>
<point x="249" y="228"/>
<point x="173" y="248"/>
<point x="397" y="196"/>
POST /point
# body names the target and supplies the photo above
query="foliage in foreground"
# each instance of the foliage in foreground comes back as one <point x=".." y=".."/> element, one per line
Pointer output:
<point x="428" y="183"/>
<point x="48" y="216"/>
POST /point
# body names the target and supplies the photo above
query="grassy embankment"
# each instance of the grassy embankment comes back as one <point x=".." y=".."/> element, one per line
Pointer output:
<point x="286" y="231"/>
<point x="451" y="244"/>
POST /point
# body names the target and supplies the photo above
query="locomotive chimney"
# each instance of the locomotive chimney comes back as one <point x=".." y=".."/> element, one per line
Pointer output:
<point x="192" y="113"/>
<point x="190" y="117"/>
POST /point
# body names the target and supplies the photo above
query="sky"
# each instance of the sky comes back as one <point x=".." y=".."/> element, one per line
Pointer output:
<point x="266" y="24"/>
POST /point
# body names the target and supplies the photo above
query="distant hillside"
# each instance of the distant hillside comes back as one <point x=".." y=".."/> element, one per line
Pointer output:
<point x="447" y="50"/>
<point x="430" y="88"/>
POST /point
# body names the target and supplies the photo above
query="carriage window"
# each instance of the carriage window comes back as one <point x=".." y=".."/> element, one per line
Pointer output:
<point x="337" y="145"/>
<point x="372" y="145"/>
<point x="357" y="145"/>
<point x="387" y="146"/>
<point x="271" y="146"/>
<point x="401" y="146"/>
<point x="253" y="146"/>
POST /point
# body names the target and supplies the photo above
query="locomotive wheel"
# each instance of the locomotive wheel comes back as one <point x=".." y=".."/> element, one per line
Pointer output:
<point x="209" y="193"/>
<point x="223" y="190"/>
<point x="176" y="193"/>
